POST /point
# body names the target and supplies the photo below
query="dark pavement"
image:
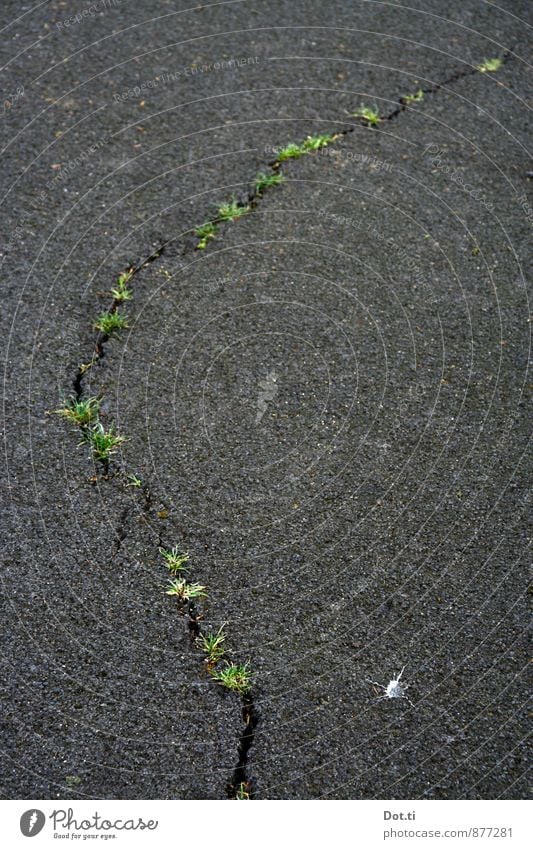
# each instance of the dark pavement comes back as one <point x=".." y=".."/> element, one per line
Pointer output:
<point x="371" y="512"/>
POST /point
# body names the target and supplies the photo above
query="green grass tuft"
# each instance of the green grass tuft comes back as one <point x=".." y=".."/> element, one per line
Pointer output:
<point x="313" y="143"/>
<point x="243" y="791"/>
<point x="103" y="442"/>
<point x="121" y="292"/>
<point x="109" y="322"/>
<point x="490" y="65"/>
<point x="175" y="559"/>
<point x="290" y="151"/>
<point x="232" y="210"/>
<point x="185" y="591"/>
<point x="266" y="181"/>
<point x="205" y="232"/>
<point x="80" y="413"/>
<point x="213" y="646"/>
<point x="413" y="98"/>
<point x="234" y="676"/>
<point x="371" y="116"/>
<point x="309" y="145"/>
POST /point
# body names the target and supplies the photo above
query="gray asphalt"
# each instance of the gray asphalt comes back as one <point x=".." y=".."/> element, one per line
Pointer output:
<point x="372" y="512"/>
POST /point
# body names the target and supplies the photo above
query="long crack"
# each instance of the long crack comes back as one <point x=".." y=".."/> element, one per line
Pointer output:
<point x="101" y="339"/>
<point x="240" y="785"/>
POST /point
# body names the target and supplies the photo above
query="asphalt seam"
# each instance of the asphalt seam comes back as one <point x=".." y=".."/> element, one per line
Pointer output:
<point x="240" y="785"/>
<point x="101" y="338"/>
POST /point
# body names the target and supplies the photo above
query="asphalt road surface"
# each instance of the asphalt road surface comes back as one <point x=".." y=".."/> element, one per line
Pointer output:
<point x="326" y="406"/>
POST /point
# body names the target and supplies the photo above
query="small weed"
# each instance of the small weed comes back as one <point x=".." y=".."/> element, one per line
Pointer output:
<point x="213" y="646"/>
<point x="133" y="480"/>
<point x="413" y="98"/>
<point x="313" y="143"/>
<point x="371" y="116"/>
<point x="243" y="791"/>
<point x="490" y="65"/>
<point x="184" y="591"/>
<point x="80" y="412"/>
<point x="232" y="210"/>
<point x="103" y="442"/>
<point x="234" y="676"/>
<point x="72" y="780"/>
<point x="290" y="151"/>
<point x="121" y="292"/>
<point x="108" y="322"/>
<point x="265" y="181"/>
<point x="175" y="560"/>
<point x="205" y="232"/>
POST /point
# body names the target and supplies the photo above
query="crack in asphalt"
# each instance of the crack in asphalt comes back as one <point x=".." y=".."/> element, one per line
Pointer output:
<point x="250" y="715"/>
<point x="458" y="75"/>
<point x="101" y="339"/>
<point x="240" y="780"/>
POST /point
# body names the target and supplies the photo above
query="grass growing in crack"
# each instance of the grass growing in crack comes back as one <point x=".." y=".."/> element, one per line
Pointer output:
<point x="490" y="65"/>
<point x="234" y="676"/>
<point x="413" y="98"/>
<point x="121" y="292"/>
<point x="103" y="442"/>
<point x="265" y="181"/>
<point x="290" y="151"/>
<point x="243" y="791"/>
<point x="213" y="646"/>
<point x="185" y="591"/>
<point x="311" y="143"/>
<point x="175" y="559"/>
<point x="80" y="413"/>
<point x="371" y="116"/>
<point x="205" y="232"/>
<point x="232" y="210"/>
<point x="109" y="322"/>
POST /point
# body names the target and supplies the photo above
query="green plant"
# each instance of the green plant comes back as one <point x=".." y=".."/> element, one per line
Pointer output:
<point x="312" y="143"/>
<point x="213" y="646"/>
<point x="133" y="480"/>
<point x="232" y="210"/>
<point x="234" y="676"/>
<point x="185" y="591"/>
<point x="413" y="98"/>
<point x="110" y="321"/>
<point x="81" y="412"/>
<point x="175" y="560"/>
<point x="490" y="65"/>
<point x="205" y="232"/>
<point x="371" y="116"/>
<point x="290" y="151"/>
<point x="265" y="181"/>
<point x="103" y="442"/>
<point x="242" y="791"/>
<point x="121" y="292"/>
